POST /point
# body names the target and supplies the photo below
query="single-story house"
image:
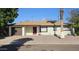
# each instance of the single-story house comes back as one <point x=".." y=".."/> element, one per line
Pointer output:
<point x="39" y="28"/>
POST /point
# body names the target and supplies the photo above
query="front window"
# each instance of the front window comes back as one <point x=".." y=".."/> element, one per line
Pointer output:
<point x="43" y="29"/>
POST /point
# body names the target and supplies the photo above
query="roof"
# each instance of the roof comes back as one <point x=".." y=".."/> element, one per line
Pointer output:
<point x="38" y="23"/>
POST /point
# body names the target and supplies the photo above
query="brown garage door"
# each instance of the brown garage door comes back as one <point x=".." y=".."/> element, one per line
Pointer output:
<point x="17" y="31"/>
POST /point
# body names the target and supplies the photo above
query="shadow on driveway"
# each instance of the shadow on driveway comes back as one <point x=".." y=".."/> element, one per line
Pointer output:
<point x="15" y="45"/>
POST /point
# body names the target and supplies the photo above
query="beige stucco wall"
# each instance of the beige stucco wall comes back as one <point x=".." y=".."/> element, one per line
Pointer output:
<point x="49" y="31"/>
<point x="29" y="30"/>
<point x="58" y="32"/>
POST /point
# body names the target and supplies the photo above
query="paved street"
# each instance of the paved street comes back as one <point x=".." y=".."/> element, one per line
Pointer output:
<point x="50" y="47"/>
<point x="40" y="43"/>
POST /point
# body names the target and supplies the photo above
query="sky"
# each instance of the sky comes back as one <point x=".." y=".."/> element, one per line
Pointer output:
<point x="37" y="14"/>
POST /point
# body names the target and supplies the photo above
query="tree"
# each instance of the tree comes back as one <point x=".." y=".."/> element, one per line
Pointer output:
<point x="74" y="20"/>
<point x="7" y="16"/>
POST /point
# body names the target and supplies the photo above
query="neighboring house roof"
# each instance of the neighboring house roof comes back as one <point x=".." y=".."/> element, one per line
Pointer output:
<point x="38" y="23"/>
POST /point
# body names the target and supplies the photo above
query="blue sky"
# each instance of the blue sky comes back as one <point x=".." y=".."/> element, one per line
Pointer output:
<point x="28" y="14"/>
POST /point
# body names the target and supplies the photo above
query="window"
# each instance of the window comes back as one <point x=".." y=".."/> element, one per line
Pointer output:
<point x="43" y="29"/>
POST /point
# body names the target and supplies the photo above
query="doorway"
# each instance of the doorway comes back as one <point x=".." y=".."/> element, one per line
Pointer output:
<point x="34" y="30"/>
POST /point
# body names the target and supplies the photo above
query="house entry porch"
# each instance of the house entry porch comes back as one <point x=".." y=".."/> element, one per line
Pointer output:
<point x="24" y="30"/>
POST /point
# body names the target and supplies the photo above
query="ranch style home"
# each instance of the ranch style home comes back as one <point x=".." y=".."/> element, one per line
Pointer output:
<point x="38" y="28"/>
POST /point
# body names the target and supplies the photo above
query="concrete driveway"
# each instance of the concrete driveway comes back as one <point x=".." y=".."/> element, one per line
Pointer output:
<point x="41" y="43"/>
<point x="45" y="39"/>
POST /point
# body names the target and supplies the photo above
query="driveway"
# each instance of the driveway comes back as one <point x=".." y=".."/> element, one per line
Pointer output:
<point x="41" y="43"/>
<point x="44" y="39"/>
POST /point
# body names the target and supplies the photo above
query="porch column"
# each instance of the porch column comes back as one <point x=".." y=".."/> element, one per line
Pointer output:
<point x="38" y="31"/>
<point x="10" y="31"/>
<point x="23" y="31"/>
